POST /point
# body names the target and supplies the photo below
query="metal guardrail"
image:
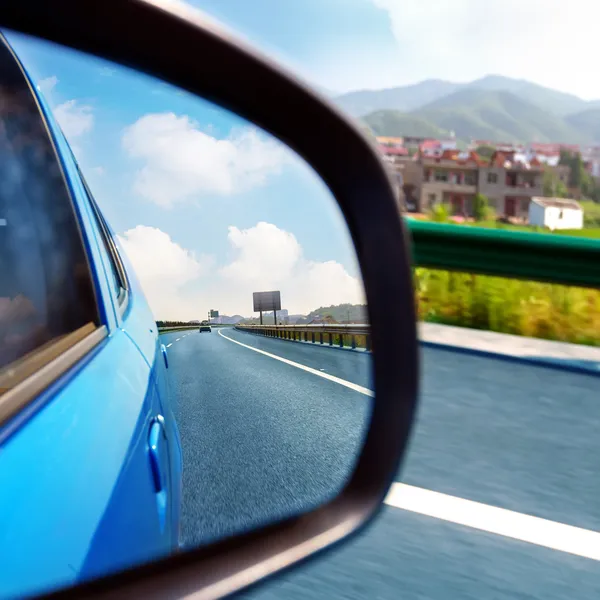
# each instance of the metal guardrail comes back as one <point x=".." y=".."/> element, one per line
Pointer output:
<point x="183" y="327"/>
<point x="177" y="328"/>
<point x="358" y="336"/>
<point x="544" y="257"/>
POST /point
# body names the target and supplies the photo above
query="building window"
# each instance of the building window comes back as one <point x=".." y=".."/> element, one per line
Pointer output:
<point x="431" y="199"/>
<point x="492" y="178"/>
<point x="441" y="176"/>
<point x="470" y="179"/>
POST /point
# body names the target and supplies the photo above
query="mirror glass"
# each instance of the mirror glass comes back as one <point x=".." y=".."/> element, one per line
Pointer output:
<point x="223" y="378"/>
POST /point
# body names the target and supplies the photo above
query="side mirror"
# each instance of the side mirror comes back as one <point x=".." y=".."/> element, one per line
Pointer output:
<point x="178" y="45"/>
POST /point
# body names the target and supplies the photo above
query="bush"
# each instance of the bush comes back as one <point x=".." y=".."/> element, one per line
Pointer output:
<point x="481" y="209"/>
<point x="439" y="213"/>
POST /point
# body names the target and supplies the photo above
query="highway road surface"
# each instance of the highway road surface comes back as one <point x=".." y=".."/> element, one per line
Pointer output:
<point x="499" y="496"/>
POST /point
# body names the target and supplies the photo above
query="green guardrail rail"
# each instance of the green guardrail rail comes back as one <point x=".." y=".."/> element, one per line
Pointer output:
<point x="543" y="257"/>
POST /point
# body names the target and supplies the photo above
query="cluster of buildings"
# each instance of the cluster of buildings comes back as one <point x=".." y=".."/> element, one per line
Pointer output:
<point x="430" y="172"/>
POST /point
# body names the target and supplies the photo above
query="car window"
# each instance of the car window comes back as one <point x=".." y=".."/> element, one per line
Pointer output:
<point x="46" y="290"/>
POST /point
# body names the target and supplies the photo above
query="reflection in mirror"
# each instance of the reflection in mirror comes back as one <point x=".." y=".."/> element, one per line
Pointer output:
<point x="250" y="403"/>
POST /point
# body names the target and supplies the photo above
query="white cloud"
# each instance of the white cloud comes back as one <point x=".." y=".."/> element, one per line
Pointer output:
<point x="180" y="285"/>
<point x="180" y="161"/>
<point x="47" y="85"/>
<point x="74" y="118"/>
<point x="269" y="258"/>
<point x="539" y="40"/>
<point x="163" y="268"/>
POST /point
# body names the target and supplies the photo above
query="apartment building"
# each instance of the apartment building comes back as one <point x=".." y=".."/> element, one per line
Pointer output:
<point x="454" y="178"/>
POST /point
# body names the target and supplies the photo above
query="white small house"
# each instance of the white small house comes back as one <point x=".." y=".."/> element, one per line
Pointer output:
<point x="555" y="213"/>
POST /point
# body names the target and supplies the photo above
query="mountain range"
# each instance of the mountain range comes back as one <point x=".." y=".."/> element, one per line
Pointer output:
<point x="493" y="108"/>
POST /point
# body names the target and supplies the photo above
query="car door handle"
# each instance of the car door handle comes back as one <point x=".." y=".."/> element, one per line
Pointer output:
<point x="156" y="444"/>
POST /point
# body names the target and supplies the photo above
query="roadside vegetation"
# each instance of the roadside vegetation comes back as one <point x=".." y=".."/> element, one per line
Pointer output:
<point x="527" y="308"/>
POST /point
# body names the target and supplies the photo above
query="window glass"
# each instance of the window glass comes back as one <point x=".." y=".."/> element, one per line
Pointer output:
<point x="45" y="285"/>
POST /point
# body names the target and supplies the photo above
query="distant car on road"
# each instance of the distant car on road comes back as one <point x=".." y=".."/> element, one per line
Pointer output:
<point x="205" y="326"/>
<point x="91" y="457"/>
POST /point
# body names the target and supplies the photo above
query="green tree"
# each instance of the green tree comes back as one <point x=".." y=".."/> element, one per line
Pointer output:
<point x="481" y="208"/>
<point x="579" y="178"/>
<point x="553" y="187"/>
<point x="485" y="151"/>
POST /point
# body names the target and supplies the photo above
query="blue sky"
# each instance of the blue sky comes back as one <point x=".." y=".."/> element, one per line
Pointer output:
<point x="200" y="198"/>
<point x="344" y="45"/>
<point x="208" y="208"/>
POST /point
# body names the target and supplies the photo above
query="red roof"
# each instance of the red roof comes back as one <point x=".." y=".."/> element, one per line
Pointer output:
<point x="393" y="150"/>
<point x="553" y="148"/>
<point x="459" y="158"/>
<point x="430" y="145"/>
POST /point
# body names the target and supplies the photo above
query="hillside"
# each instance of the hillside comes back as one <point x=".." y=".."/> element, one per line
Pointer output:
<point x="396" y="123"/>
<point x="588" y="121"/>
<point x="549" y="100"/>
<point x="497" y="115"/>
<point x="342" y="313"/>
<point x="412" y="97"/>
<point x="482" y="114"/>
<point x="404" y="98"/>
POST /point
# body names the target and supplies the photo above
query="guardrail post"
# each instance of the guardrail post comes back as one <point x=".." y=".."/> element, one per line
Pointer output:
<point x="331" y="339"/>
<point x="353" y="342"/>
<point x="341" y="339"/>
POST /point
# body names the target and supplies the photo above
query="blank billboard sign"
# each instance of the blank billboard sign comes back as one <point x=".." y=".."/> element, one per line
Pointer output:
<point x="264" y="301"/>
<point x="214" y="313"/>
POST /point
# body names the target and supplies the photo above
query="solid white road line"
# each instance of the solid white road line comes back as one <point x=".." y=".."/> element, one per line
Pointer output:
<point x="348" y="384"/>
<point x="169" y="345"/>
<point x="518" y="526"/>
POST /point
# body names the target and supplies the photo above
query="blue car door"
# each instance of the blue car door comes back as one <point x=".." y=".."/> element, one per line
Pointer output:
<point x="84" y="456"/>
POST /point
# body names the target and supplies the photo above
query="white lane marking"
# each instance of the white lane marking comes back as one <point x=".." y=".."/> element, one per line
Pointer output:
<point x="518" y="526"/>
<point x="177" y="339"/>
<point x="3" y="222"/>
<point x="348" y="384"/>
<point x="169" y="345"/>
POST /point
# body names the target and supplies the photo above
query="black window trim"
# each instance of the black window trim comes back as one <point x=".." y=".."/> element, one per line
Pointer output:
<point x="123" y="296"/>
<point x="31" y="374"/>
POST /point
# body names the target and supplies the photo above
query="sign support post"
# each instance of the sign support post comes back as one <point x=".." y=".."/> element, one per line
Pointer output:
<point x="267" y="301"/>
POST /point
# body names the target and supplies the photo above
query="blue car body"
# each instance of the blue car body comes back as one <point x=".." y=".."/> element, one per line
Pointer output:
<point x="91" y="468"/>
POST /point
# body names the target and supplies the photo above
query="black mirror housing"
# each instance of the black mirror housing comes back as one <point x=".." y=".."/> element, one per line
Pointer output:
<point x="166" y="43"/>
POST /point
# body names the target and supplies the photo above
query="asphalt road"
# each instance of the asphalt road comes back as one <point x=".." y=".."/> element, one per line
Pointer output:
<point x="261" y="439"/>
<point x="513" y="436"/>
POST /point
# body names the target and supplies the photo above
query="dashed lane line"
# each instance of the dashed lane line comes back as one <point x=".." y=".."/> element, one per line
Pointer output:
<point x="518" y="526"/>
